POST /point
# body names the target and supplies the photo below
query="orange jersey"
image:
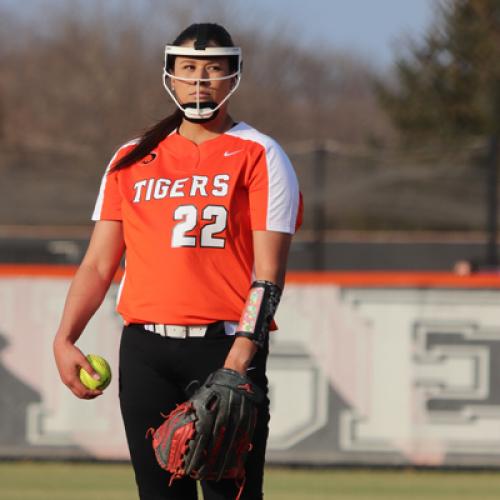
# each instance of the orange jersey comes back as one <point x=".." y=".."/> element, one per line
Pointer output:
<point x="188" y="212"/>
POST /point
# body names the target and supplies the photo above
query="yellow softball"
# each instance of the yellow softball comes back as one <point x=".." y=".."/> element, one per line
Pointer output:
<point x="101" y="366"/>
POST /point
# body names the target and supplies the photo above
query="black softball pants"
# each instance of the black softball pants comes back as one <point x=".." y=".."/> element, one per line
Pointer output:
<point x="154" y="374"/>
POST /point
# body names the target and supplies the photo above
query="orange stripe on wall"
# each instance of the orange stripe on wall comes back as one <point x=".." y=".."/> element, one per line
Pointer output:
<point x="395" y="279"/>
<point x="43" y="271"/>
<point x="373" y="279"/>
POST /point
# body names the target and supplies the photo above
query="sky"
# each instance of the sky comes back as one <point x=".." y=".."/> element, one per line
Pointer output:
<point x="371" y="27"/>
<point x="368" y="27"/>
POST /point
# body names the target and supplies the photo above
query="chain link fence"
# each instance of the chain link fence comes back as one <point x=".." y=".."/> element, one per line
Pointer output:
<point x="362" y="190"/>
<point x="351" y="196"/>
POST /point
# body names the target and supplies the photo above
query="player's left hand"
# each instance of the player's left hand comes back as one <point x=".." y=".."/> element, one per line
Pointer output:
<point x="209" y="436"/>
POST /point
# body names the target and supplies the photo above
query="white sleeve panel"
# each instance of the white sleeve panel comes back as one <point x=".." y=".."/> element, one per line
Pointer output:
<point x="283" y="194"/>
<point x="96" y="215"/>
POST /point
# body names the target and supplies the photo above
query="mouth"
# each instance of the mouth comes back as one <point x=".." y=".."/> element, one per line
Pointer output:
<point x="204" y="93"/>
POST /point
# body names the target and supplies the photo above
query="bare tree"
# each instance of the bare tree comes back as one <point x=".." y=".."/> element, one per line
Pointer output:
<point x="80" y="78"/>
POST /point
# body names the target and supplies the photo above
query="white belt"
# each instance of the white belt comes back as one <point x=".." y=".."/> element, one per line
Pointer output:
<point x="177" y="331"/>
<point x="186" y="331"/>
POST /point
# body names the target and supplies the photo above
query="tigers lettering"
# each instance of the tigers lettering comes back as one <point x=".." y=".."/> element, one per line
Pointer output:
<point x="187" y="187"/>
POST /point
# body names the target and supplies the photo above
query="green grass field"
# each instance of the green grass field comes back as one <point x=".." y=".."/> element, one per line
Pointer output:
<point x="56" y="481"/>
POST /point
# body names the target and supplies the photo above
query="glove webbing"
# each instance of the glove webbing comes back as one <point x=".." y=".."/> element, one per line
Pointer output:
<point x="181" y="435"/>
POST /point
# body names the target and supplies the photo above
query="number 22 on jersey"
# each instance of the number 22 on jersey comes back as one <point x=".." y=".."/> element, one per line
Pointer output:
<point x="187" y="215"/>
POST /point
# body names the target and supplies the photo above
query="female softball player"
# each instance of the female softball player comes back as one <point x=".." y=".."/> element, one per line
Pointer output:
<point x="205" y="208"/>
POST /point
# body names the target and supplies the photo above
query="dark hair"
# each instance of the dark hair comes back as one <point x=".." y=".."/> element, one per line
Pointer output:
<point x="202" y="34"/>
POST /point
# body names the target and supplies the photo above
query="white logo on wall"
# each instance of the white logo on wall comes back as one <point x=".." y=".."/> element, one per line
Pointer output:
<point x="299" y="396"/>
<point x="297" y="385"/>
<point x="430" y="385"/>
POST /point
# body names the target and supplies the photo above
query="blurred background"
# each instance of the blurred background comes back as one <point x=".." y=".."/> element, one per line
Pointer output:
<point x="390" y="113"/>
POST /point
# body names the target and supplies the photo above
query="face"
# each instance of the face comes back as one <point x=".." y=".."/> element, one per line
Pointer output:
<point x="197" y="67"/>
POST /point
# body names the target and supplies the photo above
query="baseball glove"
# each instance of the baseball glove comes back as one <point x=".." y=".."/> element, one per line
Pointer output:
<point x="210" y="435"/>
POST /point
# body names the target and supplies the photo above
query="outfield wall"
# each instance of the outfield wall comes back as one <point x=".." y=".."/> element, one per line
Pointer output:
<point x="371" y="368"/>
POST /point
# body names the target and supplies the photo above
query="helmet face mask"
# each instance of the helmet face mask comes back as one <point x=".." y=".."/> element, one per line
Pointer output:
<point x="201" y="111"/>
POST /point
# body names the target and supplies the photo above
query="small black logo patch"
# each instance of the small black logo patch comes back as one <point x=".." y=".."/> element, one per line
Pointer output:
<point x="149" y="158"/>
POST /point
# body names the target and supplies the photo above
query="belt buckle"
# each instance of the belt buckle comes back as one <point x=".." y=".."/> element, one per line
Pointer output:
<point x="177" y="331"/>
<point x="197" y="330"/>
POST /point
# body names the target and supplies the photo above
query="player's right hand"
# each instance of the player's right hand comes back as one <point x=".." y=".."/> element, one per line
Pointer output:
<point x="69" y="360"/>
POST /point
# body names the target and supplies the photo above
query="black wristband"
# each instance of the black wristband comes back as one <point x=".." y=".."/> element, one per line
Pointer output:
<point x="260" y="307"/>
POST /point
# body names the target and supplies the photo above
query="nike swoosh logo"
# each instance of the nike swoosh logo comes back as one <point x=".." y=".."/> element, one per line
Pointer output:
<point x="232" y="153"/>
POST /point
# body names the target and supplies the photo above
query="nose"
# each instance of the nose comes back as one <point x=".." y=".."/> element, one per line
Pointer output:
<point x="201" y="72"/>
